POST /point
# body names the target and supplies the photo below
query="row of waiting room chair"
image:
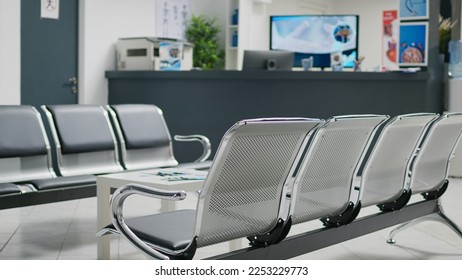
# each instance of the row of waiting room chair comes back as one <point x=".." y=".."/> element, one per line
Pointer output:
<point x="270" y="174"/>
<point x="87" y="140"/>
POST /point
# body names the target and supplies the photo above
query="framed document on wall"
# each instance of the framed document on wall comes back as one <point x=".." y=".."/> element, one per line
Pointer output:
<point x="413" y="9"/>
<point x="172" y="17"/>
<point x="413" y="44"/>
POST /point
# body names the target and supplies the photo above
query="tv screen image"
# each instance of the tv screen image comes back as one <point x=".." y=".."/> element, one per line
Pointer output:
<point x="316" y="36"/>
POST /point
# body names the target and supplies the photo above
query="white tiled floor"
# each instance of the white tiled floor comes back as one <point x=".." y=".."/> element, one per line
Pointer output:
<point x="66" y="230"/>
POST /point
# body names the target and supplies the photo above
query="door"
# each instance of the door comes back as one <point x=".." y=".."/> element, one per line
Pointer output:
<point x="49" y="53"/>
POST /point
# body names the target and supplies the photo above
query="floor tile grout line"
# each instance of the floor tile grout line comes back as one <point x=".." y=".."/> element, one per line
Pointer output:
<point x="17" y="228"/>
<point x="68" y="229"/>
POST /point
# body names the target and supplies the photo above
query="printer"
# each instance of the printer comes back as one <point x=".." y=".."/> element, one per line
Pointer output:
<point x="153" y="53"/>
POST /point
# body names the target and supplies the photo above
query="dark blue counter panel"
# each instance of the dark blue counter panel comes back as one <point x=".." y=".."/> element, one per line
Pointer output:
<point x="209" y="102"/>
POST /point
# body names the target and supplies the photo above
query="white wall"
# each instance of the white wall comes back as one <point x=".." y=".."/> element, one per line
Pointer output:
<point x="295" y="7"/>
<point x="102" y="23"/>
<point x="10" y="75"/>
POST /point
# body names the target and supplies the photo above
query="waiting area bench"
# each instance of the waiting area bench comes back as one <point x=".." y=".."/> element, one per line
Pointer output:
<point x="26" y="173"/>
<point x="269" y="175"/>
<point x="59" y="159"/>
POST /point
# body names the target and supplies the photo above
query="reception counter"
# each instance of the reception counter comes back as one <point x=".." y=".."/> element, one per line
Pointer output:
<point x="209" y="102"/>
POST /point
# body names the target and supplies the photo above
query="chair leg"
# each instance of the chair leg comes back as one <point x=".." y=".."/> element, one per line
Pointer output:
<point x="438" y="216"/>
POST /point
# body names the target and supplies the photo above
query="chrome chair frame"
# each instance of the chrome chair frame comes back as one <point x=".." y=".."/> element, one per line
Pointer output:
<point x="151" y="156"/>
<point x="123" y="229"/>
<point x="385" y="175"/>
<point x="338" y="147"/>
<point x="26" y="164"/>
<point x="203" y="140"/>
<point x="430" y="168"/>
<point x="253" y="162"/>
<point x="84" y="163"/>
<point x="408" y="215"/>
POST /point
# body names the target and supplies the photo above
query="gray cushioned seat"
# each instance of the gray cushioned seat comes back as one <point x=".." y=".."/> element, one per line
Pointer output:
<point x="172" y="230"/>
<point x="142" y="126"/>
<point x="93" y="133"/>
<point x="64" y="182"/>
<point x="16" y="142"/>
<point x="8" y="188"/>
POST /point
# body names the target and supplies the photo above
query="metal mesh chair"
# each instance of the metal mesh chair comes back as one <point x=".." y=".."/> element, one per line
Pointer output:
<point x="145" y="140"/>
<point x="384" y="178"/>
<point x="324" y="186"/>
<point x="241" y="197"/>
<point x="84" y="140"/>
<point x="429" y="170"/>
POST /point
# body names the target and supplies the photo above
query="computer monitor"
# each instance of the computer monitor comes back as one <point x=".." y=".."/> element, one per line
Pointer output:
<point x="267" y="60"/>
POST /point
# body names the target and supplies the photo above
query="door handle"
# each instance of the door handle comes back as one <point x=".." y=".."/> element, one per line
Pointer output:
<point x="73" y="82"/>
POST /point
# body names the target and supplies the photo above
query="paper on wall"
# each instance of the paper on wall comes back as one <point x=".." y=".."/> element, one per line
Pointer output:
<point x="49" y="9"/>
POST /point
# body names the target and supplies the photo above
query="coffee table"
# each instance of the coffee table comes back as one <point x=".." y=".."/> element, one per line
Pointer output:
<point x="189" y="180"/>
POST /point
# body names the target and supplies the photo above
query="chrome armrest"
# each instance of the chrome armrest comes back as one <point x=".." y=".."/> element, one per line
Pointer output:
<point x="207" y="147"/>
<point x="118" y="220"/>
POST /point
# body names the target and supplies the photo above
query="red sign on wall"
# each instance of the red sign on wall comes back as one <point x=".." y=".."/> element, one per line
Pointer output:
<point x="390" y="39"/>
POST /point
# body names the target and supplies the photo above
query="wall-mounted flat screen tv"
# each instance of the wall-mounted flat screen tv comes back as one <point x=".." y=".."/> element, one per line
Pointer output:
<point x="316" y="36"/>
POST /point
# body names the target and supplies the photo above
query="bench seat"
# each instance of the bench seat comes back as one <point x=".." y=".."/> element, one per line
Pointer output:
<point x="9" y="188"/>
<point x="63" y="182"/>
<point x="27" y="175"/>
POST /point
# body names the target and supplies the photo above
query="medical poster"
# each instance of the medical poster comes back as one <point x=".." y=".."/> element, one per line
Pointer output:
<point x="390" y="39"/>
<point x="172" y="17"/>
<point x="413" y="9"/>
<point x="413" y="42"/>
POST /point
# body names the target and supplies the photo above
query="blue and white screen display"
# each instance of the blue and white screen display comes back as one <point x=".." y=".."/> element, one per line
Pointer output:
<point x="317" y="36"/>
<point x="413" y="9"/>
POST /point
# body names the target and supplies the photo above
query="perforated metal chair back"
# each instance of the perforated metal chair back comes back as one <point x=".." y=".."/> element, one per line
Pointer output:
<point x="430" y="169"/>
<point x="84" y="140"/>
<point x="24" y="147"/>
<point x="143" y="136"/>
<point x="244" y="190"/>
<point x="384" y="177"/>
<point x="324" y="183"/>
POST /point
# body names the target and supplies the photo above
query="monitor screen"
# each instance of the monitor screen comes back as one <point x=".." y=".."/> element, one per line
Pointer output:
<point x="267" y="60"/>
<point x="316" y="36"/>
